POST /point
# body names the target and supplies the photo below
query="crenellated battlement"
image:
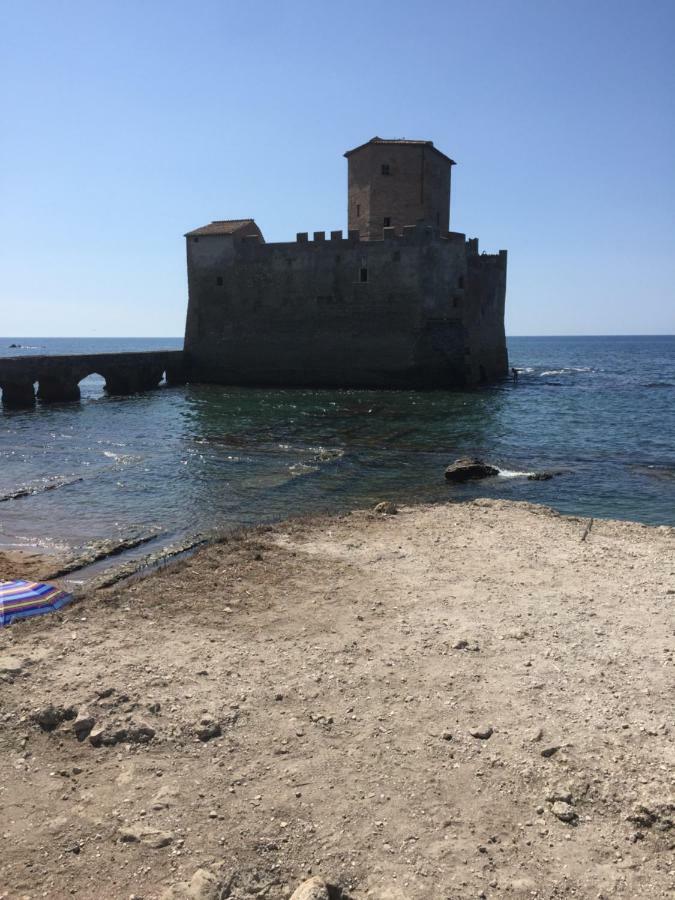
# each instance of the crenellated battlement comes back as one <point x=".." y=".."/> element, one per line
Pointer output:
<point x="397" y="300"/>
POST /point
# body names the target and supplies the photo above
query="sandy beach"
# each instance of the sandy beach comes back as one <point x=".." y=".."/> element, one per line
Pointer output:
<point x="456" y="701"/>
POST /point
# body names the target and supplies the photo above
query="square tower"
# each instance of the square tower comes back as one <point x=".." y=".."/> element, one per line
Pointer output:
<point x="393" y="183"/>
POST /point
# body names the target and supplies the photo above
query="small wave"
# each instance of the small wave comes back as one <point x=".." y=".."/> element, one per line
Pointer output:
<point x="569" y="370"/>
<point x="512" y="473"/>
<point x="327" y="454"/>
<point x="122" y="458"/>
<point x="660" y="384"/>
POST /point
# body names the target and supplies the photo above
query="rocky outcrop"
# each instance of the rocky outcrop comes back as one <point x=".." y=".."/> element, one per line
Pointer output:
<point x="469" y="468"/>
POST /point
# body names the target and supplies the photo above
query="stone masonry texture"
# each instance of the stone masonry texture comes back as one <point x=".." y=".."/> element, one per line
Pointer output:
<point x="399" y="302"/>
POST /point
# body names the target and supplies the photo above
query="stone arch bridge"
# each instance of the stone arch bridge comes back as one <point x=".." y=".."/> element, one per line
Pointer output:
<point x="58" y="377"/>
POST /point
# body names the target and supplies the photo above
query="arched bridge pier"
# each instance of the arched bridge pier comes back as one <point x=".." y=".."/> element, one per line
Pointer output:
<point x="58" y="377"/>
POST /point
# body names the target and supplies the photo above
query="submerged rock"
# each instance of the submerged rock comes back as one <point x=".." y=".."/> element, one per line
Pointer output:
<point x="469" y="468"/>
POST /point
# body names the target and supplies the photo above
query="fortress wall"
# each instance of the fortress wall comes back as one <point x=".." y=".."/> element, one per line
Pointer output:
<point x="299" y="313"/>
<point x="486" y="292"/>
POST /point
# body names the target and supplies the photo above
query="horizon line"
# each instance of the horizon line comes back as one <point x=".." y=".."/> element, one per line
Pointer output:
<point x="171" y="337"/>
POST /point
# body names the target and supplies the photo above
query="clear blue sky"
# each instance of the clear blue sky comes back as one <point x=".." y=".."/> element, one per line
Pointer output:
<point x="126" y="124"/>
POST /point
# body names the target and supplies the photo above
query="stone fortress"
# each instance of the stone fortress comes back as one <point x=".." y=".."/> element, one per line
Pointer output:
<point x="400" y="302"/>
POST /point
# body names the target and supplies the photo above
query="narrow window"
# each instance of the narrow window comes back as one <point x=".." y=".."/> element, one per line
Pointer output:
<point x="460" y="282"/>
<point x="397" y="255"/>
<point x="438" y="218"/>
<point x="455" y="302"/>
<point x="387" y="221"/>
<point x="358" y="210"/>
<point x="385" y="169"/>
<point x="219" y="281"/>
<point x="363" y="275"/>
<point x="196" y="240"/>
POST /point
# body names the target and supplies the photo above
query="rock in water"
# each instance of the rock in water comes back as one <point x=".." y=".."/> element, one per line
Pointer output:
<point x="386" y="508"/>
<point x="468" y="468"/>
<point x="313" y="889"/>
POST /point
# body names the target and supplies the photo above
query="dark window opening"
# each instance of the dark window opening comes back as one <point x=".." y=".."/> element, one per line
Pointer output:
<point x="385" y="169"/>
<point x="196" y="240"/>
<point x="460" y="282"/>
<point x="363" y="275"/>
<point x="219" y="281"/>
<point x="438" y="218"/>
<point x="455" y="302"/>
<point x="397" y="255"/>
<point x="338" y="258"/>
<point x="387" y="221"/>
<point x="358" y="210"/>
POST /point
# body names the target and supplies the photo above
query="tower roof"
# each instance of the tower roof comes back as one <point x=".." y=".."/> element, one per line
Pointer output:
<point x="405" y="141"/>
<point x="221" y="226"/>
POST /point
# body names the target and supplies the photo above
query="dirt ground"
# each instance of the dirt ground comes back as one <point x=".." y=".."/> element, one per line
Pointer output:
<point x="457" y="701"/>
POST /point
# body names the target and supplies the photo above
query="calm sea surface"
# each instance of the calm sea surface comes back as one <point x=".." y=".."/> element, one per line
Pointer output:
<point x="193" y="459"/>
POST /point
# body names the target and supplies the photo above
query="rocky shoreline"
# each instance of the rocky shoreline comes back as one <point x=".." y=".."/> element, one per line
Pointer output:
<point x="463" y="700"/>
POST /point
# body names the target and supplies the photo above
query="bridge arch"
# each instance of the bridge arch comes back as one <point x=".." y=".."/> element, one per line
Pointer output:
<point x="58" y="377"/>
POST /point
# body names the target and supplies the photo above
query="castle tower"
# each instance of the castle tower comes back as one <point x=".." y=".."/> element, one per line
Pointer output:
<point x="393" y="183"/>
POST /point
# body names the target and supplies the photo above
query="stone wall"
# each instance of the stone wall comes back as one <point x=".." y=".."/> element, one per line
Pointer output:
<point x="58" y="377"/>
<point x="339" y="311"/>
<point x="416" y="188"/>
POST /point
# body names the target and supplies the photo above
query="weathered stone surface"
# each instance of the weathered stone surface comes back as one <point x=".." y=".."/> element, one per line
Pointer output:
<point x="203" y="885"/>
<point x="50" y="717"/>
<point x="152" y="837"/>
<point x="83" y="724"/>
<point x="58" y="377"/>
<point x="563" y="811"/>
<point x="386" y="508"/>
<point x="482" y="732"/>
<point x="208" y="728"/>
<point x="468" y="468"/>
<point x="140" y="733"/>
<point x="313" y="889"/>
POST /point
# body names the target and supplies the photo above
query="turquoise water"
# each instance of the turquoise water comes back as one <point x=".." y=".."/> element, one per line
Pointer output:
<point x="195" y="459"/>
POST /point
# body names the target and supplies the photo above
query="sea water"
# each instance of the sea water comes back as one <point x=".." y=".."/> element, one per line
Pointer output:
<point x="197" y="459"/>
